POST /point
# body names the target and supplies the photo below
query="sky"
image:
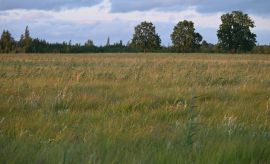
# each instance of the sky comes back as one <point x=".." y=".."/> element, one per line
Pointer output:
<point x="80" y="20"/>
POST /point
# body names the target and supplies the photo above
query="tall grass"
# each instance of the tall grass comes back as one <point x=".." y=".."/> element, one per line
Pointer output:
<point x="133" y="108"/>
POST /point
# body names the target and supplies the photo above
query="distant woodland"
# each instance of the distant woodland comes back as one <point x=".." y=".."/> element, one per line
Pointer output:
<point x="234" y="36"/>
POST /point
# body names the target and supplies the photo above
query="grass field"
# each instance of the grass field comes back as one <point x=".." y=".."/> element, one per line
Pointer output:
<point x="135" y="108"/>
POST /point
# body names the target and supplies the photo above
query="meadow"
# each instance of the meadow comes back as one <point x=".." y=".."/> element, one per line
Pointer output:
<point x="135" y="108"/>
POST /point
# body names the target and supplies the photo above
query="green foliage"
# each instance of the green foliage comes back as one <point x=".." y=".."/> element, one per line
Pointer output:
<point x="145" y="37"/>
<point x="89" y="43"/>
<point x="7" y="43"/>
<point x="108" y="43"/>
<point x="26" y="41"/>
<point x="184" y="37"/>
<point x="234" y="33"/>
<point x="191" y="125"/>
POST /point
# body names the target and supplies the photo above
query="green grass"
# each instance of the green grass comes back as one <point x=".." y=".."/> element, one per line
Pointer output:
<point x="135" y="108"/>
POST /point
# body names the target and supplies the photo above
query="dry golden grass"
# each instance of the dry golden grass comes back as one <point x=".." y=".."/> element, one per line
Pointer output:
<point x="134" y="108"/>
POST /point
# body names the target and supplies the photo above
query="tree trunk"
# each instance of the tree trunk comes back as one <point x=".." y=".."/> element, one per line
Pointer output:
<point x="235" y="50"/>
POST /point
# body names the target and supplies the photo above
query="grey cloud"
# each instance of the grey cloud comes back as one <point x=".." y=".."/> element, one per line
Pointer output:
<point x="205" y="6"/>
<point x="44" y="4"/>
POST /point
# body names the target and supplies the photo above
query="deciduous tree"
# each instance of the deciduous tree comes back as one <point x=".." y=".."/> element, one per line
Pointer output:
<point x="7" y="43"/>
<point x="145" y="37"/>
<point x="234" y="33"/>
<point x="184" y="37"/>
<point x="89" y="43"/>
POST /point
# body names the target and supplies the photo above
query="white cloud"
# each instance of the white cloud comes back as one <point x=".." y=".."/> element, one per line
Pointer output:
<point x="261" y="23"/>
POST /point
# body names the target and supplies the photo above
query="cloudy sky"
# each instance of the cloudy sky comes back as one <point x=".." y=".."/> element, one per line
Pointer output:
<point x="79" y="20"/>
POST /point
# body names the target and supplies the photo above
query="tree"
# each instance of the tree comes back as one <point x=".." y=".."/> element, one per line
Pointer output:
<point x="184" y="37"/>
<point x="108" y="42"/>
<point x="234" y="33"/>
<point x="7" y="43"/>
<point x="145" y="37"/>
<point x="25" y="40"/>
<point x="89" y="43"/>
<point x="197" y="41"/>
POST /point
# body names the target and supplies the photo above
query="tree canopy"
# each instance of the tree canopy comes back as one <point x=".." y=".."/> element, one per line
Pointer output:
<point x="7" y="43"/>
<point x="234" y="33"/>
<point x="89" y="43"/>
<point x="145" y="37"/>
<point x="184" y="37"/>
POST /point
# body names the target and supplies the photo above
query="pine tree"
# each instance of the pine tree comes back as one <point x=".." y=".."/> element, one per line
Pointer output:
<point x="108" y="42"/>
<point x="27" y="40"/>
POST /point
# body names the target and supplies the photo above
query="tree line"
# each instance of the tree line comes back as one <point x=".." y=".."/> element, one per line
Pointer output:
<point x="234" y="36"/>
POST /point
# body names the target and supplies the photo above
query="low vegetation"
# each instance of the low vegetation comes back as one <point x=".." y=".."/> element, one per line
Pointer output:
<point x="134" y="108"/>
